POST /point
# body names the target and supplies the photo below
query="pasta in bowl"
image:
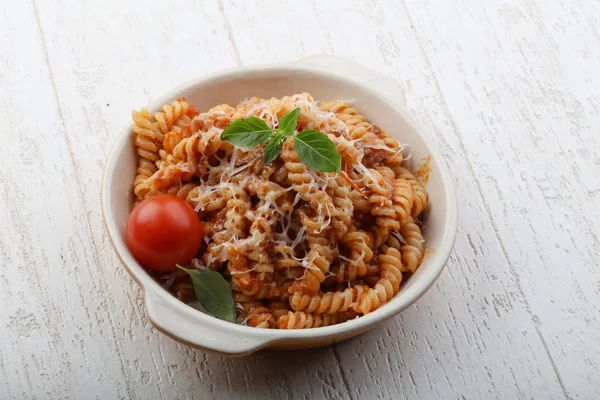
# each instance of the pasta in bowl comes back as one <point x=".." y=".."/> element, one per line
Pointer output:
<point x="297" y="246"/>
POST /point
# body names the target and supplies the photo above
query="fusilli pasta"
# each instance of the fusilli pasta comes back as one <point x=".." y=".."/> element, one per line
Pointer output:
<point x="413" y="249"/>
<point x="301" y="320"/>
<point x="300" y="249"/>
<point x="419" y="192"/>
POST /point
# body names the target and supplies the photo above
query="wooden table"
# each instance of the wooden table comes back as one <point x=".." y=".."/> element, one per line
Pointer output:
<point x="510" y="89"/>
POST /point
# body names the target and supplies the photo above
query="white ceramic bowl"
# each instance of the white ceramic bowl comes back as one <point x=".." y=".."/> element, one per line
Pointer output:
<point x="326" y="78"/>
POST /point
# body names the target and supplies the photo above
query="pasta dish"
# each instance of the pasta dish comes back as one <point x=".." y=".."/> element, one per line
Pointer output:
<point x="299" y="248"/>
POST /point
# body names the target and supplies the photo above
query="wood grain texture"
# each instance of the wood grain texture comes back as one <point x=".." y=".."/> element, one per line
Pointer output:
<point x="510" y="91"/>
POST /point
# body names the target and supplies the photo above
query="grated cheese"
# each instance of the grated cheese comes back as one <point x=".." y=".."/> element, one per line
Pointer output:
<point x="299" y="237"/>
<point x="398" y="236"/>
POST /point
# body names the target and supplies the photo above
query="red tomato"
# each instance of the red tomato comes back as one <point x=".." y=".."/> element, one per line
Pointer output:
<point x="163" y="231"/>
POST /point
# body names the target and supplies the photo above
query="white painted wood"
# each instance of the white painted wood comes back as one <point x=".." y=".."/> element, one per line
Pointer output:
<point x="510" y="90"/>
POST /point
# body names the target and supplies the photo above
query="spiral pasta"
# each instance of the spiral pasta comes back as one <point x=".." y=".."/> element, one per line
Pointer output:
<point x="147" y="137"/>
<point x="339" y="191"/>
<point x="318" y="261"/>
<point x="419" y="192"/>
<point x="377" y="236"/>
<point x="386" y="287"/>
<point x="182" y="191"/>
<point x="328" y="302"/>
<point x="302" y="320"/>
<point x="177" y="114"/>
<point x="358" y="125"/>
<point x="300" y="249"/>
<point x="376" y="146"/>
<point x="413" y="250"/>
<point x="196" y="146"/>
<point x="257" y="315"/>
<point x="381" y="202"/>
<point x="402" y="199"/>
<point x="303" y="181"/>
<point x="145" y="142"/>
<point x="360" y="254"/>
<point x="145" y="170"/>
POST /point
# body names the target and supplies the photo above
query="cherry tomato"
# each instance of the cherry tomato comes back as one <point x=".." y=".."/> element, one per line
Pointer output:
<point x="163" y="231"/>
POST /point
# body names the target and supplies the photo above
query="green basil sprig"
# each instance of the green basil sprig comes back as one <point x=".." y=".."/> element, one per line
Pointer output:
<point x="314" y="148"/>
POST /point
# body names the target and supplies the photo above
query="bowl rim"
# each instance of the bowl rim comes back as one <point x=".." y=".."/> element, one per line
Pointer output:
<point x="271" y="336"/>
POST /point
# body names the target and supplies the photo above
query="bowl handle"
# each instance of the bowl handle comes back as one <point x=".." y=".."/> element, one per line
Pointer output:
<point x="381" y="83"/>
<point x="187" y="325"/>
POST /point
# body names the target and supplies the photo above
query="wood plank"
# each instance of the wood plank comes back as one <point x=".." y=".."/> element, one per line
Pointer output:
<point x="533" y="138"/>
<point x="101" y="343"/>
<point x="508" y="89"/>
<point x="500" y="338"/>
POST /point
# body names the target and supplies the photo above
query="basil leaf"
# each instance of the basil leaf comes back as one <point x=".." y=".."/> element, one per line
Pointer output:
<point x="273" y="149"/>
<point x="213" y="292"/>
<point x="317" y="151"/>
<point x="247" y="132"/>
<point x="288" y="123"/>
